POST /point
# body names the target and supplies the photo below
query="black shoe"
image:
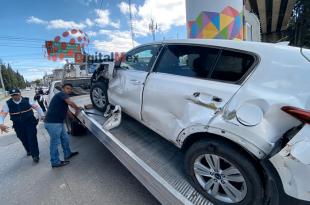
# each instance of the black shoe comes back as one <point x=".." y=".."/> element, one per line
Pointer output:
<point x="36" y="159"/>
<point x="72" y="155"/>
<point x="28" y="154"/>
<point x="62" y="163"/>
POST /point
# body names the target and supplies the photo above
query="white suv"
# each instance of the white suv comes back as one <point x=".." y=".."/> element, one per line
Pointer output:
<point x="240" y="111"/>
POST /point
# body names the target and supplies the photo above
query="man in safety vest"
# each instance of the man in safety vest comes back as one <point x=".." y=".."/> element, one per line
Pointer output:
<point x="24" y="123"/>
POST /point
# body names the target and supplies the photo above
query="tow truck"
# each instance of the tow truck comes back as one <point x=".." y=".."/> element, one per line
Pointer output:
<point x="155" y="162"/>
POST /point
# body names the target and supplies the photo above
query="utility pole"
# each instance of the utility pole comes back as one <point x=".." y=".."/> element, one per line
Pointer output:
<point x="153" y="28"/>
<point x="131" y="24"/>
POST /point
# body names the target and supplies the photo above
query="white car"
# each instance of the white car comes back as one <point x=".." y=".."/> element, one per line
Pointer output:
<point x="240" y="111"/>
<point x="54" y="88"/>
<point x="45" y="89"/>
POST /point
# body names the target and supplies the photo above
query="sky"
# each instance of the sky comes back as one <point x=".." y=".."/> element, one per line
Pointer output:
<point x="26" y="24"/>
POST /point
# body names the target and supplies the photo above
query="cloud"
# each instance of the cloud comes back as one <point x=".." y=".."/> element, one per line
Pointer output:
<point x="103" y="19"/>
<point x="116" y="24"/>
<point x="89" y="22"/>
<point x="105" y="32"/>
<point x="35" y="20"/>
<point x="117" y="41"/>
<point x="165" y="13"/>
<point x="87" y="2"/>
<point x="124" y="7"/>
<point x="59" y="23"/>
<point x="34" y="70"/>
<point x="91" y="33"/>
<point x="36" y="73"/>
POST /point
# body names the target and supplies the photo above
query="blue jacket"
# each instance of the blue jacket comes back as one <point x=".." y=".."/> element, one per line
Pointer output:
<point x="20" y="112"/>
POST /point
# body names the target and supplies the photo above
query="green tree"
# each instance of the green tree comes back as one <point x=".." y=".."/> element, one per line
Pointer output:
<point x="12" y="78"/>
<point x="299" y="25"/>
<point x="37" y="82"/>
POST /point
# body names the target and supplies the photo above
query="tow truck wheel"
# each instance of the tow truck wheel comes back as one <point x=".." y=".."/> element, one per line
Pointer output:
<point x="223" y="174"/>
<point x="99" y="96"/>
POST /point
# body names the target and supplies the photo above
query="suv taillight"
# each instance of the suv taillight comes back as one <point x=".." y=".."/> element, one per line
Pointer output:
<point x="300" y="114"/>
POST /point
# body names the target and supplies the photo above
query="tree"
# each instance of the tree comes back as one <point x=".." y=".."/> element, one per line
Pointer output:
<point x="299" y="25"/>
<point x="11" y="78"/>
<point x="37" y="82"/>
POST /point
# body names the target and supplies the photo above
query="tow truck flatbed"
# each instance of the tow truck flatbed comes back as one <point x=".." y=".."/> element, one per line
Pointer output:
<point x="155" y="162"/>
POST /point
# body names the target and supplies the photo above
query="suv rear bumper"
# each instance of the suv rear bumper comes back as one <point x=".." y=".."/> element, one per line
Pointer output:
<point x="289" y="170"/>
<point x="274" y="185"/>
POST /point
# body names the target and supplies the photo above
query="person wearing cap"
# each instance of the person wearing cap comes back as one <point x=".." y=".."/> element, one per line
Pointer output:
<point x="20" y="110"/>
<point x="54" y="124"/>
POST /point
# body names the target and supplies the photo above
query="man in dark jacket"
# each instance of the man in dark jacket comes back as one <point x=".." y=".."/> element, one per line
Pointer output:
<point x="54" y="124"/>
<point x="24" y="122"/>
<point x="40" y="99"/>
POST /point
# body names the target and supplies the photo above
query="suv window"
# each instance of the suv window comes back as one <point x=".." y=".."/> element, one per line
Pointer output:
<point x="141" y="58"/>
<point x="232" y="66"/>
<point x="187" y="60"/>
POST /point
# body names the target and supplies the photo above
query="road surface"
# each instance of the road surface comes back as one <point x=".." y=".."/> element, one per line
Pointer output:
<point x="93" y="177"/>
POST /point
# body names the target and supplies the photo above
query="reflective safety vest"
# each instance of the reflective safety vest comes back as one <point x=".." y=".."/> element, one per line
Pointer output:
<point x="20" y="112"/>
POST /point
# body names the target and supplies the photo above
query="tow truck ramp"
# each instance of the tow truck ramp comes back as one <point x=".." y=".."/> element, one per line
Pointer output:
<point x="155" y="162"/>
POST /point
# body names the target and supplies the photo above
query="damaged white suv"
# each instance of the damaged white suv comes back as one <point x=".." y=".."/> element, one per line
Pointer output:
<point x="240" y="111"/>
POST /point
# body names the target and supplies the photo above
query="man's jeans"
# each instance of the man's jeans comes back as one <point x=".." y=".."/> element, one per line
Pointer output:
<point x="58" y="135"/>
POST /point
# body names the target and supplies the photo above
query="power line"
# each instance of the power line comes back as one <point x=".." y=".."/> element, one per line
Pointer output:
<point x="26" y="42"/>
<point x="20" y="54"/>
<point x="100" y="8"/>
<point x="28" y="45"/>
<point x="20" y="41"/>
<point x="25" y="57"/>
<point x="22" y="46"/>
<point x="21" y="37"/>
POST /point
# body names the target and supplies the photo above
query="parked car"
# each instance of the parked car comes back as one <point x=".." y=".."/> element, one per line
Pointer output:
<point x="45" y="89"/>
<point x="239" y="110"/>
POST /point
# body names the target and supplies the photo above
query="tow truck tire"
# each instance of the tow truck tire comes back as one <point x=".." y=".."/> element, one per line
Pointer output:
<point x="75" y="128"/>
<point x="99" y="96"/>
<point x="235" y="172"/>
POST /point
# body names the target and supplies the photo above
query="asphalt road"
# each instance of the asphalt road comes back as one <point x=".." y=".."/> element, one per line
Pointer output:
<point x="93" y="177"/>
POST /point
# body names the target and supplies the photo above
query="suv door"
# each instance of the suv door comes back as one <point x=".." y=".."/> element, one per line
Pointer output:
<point x="181" y="92"/>
<point x="125" y="89"/>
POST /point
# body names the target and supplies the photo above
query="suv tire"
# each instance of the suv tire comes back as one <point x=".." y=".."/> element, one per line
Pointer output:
<point x="235" y="172"/>
<point x="99" y="96"/>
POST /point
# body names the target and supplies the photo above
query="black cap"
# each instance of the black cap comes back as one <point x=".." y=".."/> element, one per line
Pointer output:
<point x="14" y="91"/>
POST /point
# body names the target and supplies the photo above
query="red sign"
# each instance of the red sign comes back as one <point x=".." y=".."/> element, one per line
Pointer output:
<point x="62" y="49"/>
